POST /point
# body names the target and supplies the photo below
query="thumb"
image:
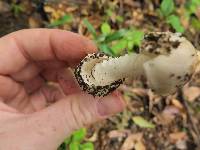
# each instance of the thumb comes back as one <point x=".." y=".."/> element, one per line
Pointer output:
<point x="61" y="119"/>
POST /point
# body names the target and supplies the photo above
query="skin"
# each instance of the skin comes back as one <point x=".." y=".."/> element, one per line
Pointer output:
<point x="34" y="114"/>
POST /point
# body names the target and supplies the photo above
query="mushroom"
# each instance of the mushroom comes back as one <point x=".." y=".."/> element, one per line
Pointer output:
<point x="166" y="60"/>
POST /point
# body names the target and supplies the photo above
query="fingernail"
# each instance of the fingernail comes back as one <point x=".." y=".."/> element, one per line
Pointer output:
<point x="110" y="105"/>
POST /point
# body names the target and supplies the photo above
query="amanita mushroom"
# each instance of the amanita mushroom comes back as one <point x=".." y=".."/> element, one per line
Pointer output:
<point x="167" y="61"/>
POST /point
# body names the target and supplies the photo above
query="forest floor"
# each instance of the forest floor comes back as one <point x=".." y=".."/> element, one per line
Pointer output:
<point x="150" y="122"/>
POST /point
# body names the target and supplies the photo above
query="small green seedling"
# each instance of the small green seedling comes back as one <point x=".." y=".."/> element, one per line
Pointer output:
<point x="17" y="9"/>
<point x="76" y="141"/>
<point x="167" y="10"/>
<point x="63" y="20"/>
<point x="190" y="12"/>
<point x="115" y="42"/>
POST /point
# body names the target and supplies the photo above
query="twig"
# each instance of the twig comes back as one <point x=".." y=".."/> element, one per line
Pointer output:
<point x="192" y="124"/>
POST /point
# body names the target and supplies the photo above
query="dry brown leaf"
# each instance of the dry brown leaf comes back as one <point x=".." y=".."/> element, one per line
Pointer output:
<point x="177" y="104"/>
<point x="139" y="91"/>
<point x="191" y="93"/>
<point x="131" y="3"/>
<point x="177" y="136"/>
<point x="49" y="9"/>
<point x="93" y="138"/>
<point x="71" y="9"/>
<point x="35" y="21"/>
<point x="118" y="133"/>
<point x="181" y="144"/>
<point x="198" y="13"/>
<point x="134" y="141"/>
<point x="167" y="116"/>
<point x="4" y="7"/>
<point x="140" y="146"/>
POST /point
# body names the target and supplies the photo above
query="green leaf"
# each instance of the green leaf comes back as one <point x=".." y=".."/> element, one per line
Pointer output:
<point x="87" y="146"/>
<point x="141" y="122"/>
<point x="17" y="9"/>
<point x="175" y="22"/>
<point x="90" y="27"/>
<point x="195" y="23"/>
<point x="119" y="46"/>
<point x="119" y="18"/>
<point x="105" y="28"/>
<point x="63" y="20"/>
<point x="167" y="7"/>
<point x="106" y="49"/>
<point x="191" y="6"/>
<point x="74" y="145"/>
<point x="79" y="135"/>
<point x="130" y="45"/>
<point x="135" y="36"/>
<point x="115" y="36"/>
<point x="109" y="12"/>
<point x="67" y="140"/>
<point x="101" y="38"/>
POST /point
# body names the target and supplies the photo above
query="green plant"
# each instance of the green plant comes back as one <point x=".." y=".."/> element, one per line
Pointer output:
<point x="110" y="13"/>
<point x="115" y="42"/>
<point x="167" y="10"/>
<point x="167" y="7"/>
<point x="174" y="21"/>
<point x="17" y="9"/>
<point x="75" y="141"/>
<point x="191" y="6"/>
<point x="190" y="10"/>
<point x="63" y="20"/>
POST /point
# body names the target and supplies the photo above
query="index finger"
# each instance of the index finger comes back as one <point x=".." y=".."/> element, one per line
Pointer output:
<point x="21" y="47"/>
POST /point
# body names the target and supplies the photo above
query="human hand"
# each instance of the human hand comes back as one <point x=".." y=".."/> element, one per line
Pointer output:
<point x="30" y="58"/>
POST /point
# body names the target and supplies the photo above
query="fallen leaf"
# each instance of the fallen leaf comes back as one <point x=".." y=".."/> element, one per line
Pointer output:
<point x="35" y="21"/>
<point x="118" y="133"/>
<point x="4" y="7"/>
<point x="177" y="104"/>
<point x="181" y="144"/>
<point x="141" y="122"/>
<point x="198" y="12"/>
<point x="191" y="93"/>
<point x="134" y="141"/>
<point x="140" y="146"/>
<point x="92" y="138"/>
<point x="177" y="136"/>
<point x="167" y="115"/>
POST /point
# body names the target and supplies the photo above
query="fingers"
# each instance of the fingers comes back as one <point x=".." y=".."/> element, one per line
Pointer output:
<point x="29" y="72"/>
<point x="39" y="45"/>
<point x="64" y="77"/>
<point x="67" y="81"/>
<point x="59" y="120"/>
<point x="8" y="88"/>
<point x="34" y="84"/>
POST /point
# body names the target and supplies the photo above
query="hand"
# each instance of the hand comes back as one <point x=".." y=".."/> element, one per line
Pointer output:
<point x="30" y="58"/>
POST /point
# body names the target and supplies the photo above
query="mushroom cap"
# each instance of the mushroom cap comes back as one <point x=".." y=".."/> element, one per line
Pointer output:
<point x="172" y="64"/>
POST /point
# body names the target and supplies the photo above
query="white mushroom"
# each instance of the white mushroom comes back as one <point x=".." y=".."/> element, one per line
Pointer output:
<point x="166" y="60"/>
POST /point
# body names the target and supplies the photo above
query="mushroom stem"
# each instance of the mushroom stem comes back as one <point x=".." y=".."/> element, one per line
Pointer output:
<point x="127" y="66"/>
